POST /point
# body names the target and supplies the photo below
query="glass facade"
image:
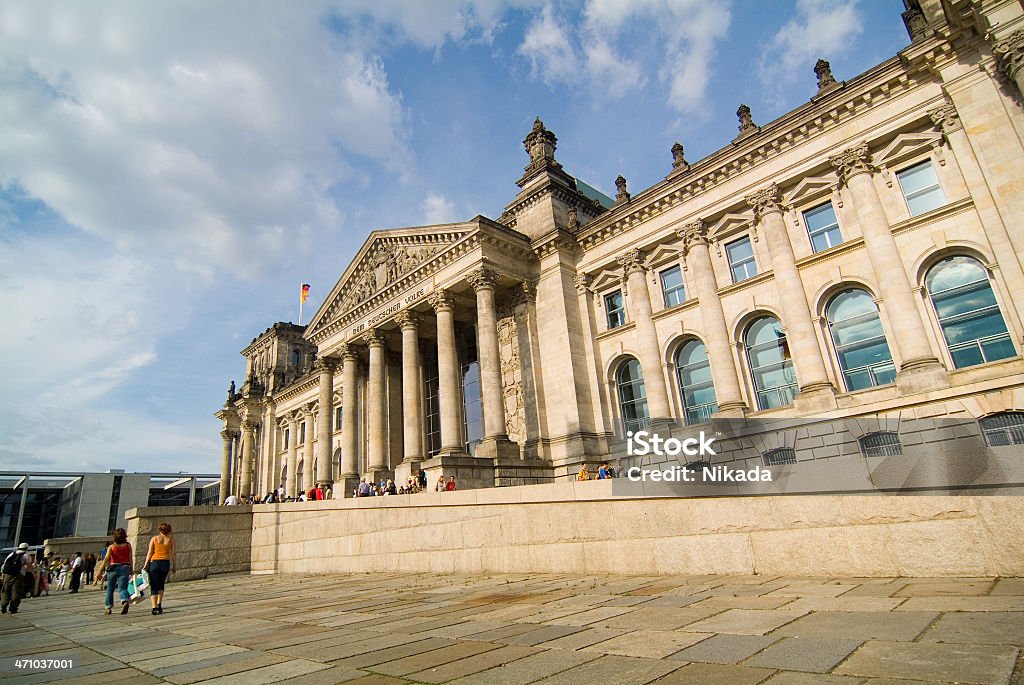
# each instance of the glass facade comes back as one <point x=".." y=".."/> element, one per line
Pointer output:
<point x="472" y="399"/>
<point x="632" y="396"/>
<point x="741" y="260"/>
<point x="968" y="313"/>
<point x="823" y="227"/>
<point x="672" y="286"/>
<point x="695" y="385"/>
<point x="859" y="340"/>
<point x="771" y="365"/>
<point x="921" y="188"/>
<point x="616" y="309"/>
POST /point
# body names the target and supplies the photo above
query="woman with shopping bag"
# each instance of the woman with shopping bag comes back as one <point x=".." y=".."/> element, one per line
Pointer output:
<point x="161" y="561"/>
<point x="118" y="563"/>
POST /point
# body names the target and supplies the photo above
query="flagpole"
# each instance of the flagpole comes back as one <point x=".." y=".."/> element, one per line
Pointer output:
<point x="300" y="303"/>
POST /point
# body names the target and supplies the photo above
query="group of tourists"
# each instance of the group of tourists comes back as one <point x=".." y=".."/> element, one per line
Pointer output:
<point x="23" y="575"/>
<point x="603" y="471"/>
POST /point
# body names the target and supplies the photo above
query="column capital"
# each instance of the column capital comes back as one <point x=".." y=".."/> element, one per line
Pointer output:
<point x="228" y="434"/>
<point x="407" y="320"/>
<point x="482" y="279"/>
<point x="582" y="282"/>
<point x="249" y="426"/>
<point x="375" y="338"/>
<point x="764" y="201"/>
<point x="347" y="351"/>
<point x="693" y="233"/>
<point x="523" y="293"/>
<point x="946" y="118"/>
<point x="852" y="161"/>
<point x="632" y="261"/>
<point x="1009" y="53"/>
<point x="325" y="364"/>
<point x="441" y="301"/>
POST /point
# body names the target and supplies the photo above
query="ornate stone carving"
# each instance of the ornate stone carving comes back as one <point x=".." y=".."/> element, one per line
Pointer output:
<point x="1009" y="53"/>
<point x="482" y="278"/>
<point x="228" y="435"/>
<point x="914" y="20"/>
<point x="852" y="161"/>
<point x="407" y="319"/>
<point x="678" y="160"/>
<point x="764" y="201"/>
<point x="511" y="375"/>
<point x="747" y="124"/>
<point x="582" y="282"/>
<point x="347" y="351"/>
<point x="325" y="364"/>
<point x="384" y="265"/>
<point x="374" y="338"/>
<point x="826" y="82"/>
<point x="540" y="145"/>
<point x="693" y="233"/>
<point x="632" y="260"/>
<point x="529" y="291"/>
<point x="621" y="195"/>
<point x="946" y="118"/>
<point x="574" y="223"/>
<point x="441" y="301"/>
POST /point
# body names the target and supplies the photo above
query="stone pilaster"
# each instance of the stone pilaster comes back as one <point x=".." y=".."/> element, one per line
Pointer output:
<point x="349" y="476"/>
<point x="815" y="387"/>
<point x="716" y="334"/>
<point x="377" y="410"/>
<point x="495" y="442"/>
<point x="225" y="464"/>
<point x="649" y="348"/>
<point x="919" y="368"/>
<point x="325" y="422"/>
<point x="290" y="488"/>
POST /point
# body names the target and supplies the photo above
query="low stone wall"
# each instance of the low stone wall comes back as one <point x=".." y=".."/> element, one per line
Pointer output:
<point x="584" y="528"/>
<point x="210" y="539"/>
<point x="66" y="547"/>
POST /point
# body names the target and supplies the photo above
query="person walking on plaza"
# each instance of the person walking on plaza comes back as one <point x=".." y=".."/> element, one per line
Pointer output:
<point x="13" y="570"/>
<point x="77" y="567"/>
<point x="119" y="564"/>
<point x="62" y="575"/>
<point x="161" y="561"/>
<point x="90" y="568"/>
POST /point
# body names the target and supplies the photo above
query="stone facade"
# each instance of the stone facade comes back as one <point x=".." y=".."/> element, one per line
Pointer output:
<point x="858" y="258"/>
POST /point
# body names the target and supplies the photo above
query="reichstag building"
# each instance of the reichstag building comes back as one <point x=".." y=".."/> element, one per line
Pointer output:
<point x="858" y="259"/>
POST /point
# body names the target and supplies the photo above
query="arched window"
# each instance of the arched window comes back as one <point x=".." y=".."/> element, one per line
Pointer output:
<point x="859" y="340"/>
<point x="779" y="455"/>
<point x="967" y="311"/>
<point x="296" y="357"/>
<point x="771" y="365"/>
<point x="881" y="444"/>
<point x="632" y="396"/>
<point x="695" y="386"/>
<point x="1004" y="428"/>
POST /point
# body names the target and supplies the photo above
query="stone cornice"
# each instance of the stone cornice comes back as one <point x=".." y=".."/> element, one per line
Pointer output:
<point x="298" y="388"/>
<point x="887" y="80"/>
<point x="570" y="196"/>
<point x="557" y="240"/>
<point x="281" y="330"/>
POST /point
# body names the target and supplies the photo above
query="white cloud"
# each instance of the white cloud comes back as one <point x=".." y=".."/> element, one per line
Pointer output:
<point x="437" y="209"/>
<point x="821" y="29"/>
<point x="548" y="47"/>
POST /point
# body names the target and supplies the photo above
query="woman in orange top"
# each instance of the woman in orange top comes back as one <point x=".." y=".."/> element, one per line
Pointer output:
<point x="161" y="560"/>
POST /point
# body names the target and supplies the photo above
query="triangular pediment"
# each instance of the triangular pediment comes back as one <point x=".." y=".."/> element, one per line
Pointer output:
<point x="386" y="257"/>
<point x="662" y="255"/>
<point x="609" y="278"/>
<point x="729" y="225"/>
<point x="906" y="145"/>
<point x="809" y="189"/>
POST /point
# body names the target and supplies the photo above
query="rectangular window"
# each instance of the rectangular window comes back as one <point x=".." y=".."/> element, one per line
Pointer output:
<point x="672" y="286"/>
<point x="741" y="260"/>
<point x="285" y="438"/>
<point x="921" y="188"/>
<point x="337" y="419"/>
<point x="823" y="227"/>
<point x="302" y="434"/>
<point x="616" y="309"/>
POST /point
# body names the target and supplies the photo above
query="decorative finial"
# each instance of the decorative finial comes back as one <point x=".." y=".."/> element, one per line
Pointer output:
<point x="540" y="143"/>
<point x="678" y="160"/>
<point x="826" y="81"/>
<point x="622" y="195"/>
<point x="746" y="120"/>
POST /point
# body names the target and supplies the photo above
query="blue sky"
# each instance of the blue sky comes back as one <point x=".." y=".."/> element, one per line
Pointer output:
<point x="170" y="173"/>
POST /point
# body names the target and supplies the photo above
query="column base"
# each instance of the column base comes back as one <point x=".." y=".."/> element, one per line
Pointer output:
<point x="497" y="447"/>
<point x="377" y="474"/>
<point x="344" y="486"/>
<point x="407" y="468"/>
<point x="518" y="471"/>
<point x="815" y="398"/>
<point x="662" y="423"/>
<point x="469" y="472"/>
<point x="921" y="375"/>
<point x="731" y="410"/>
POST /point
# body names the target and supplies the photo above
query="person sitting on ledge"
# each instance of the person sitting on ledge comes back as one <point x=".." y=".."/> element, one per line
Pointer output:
<point x="451" y="484"/>
<point x="440" y="484"/>
<point x="602" y="472"/>
<point x="584" y="474"/>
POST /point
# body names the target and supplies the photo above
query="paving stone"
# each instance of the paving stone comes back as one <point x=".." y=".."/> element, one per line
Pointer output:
<point x="721" y="603"/>
<point x="175" y="659"/>
<point x="392" y="653"/>
<point x="1008" y="586"/>
<point x="654" y="644"/>
<point x="976" y="664"/>
<point x="656" y="618"/>
<point x="588" y="616"/>
<point x="745" y="621"/>
<point x="1001" y="603"/>
<point x="951" y="588"/>
<point x="542" y="634"/>
<point x="811" y="590"/>
<point x="860" y="625"/>
<point x="978" y="627"/>
<point x="257" y="660"/>
<point x="269" y="674"/>
<point x="583" y="638"/>
<point x="845" y="603"/>
<point x="724" y="649"/>
<point x="436" y="657"/>
<point x="805" y="654"/>
<point x="791" y="678"/>
<point x="529" y="669"/>
<point x="474" y="664"/>
<point x="613" y="670"/>
<point x="714" y="674"/>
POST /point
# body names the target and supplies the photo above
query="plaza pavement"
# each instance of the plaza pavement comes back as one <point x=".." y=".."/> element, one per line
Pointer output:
<point x="387" y="629"/>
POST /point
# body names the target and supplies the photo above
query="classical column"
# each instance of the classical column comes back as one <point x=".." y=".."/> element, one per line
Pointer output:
<point x="716" y="333"/>
<point x="376" y="410"/>
<point x="248" y="442"/>
<point x="449" y="396"/>
<point x="800" y="333"/>
<point x="293" y="460"/>
<point x="225" y="464"/>
<point x="646" y="335"/>
<point x="910" y="337"/>
<point x="495" y="441"/>
<point x="412" y="390"/>
<point x="307" y="450"/>
<point x="349" y="379"/>
<point x="1009" y="54"/>
<point x="325" y="422"/>
<point x="270" y="478"/>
